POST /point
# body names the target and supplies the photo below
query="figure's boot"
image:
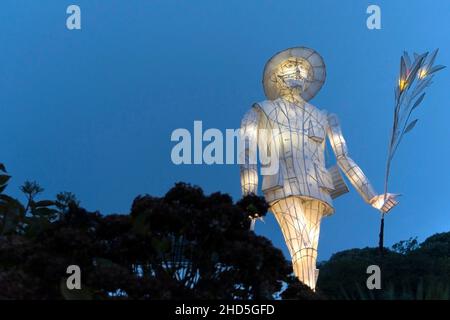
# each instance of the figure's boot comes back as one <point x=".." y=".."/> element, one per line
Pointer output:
<point x="304" y="265"/>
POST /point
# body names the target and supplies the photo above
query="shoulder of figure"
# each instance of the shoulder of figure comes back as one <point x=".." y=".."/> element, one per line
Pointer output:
<point x="265" y="106"/>
<point x="252" y="114"/>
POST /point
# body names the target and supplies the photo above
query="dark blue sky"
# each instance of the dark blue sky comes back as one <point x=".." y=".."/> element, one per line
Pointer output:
<point x="92" y="111"/>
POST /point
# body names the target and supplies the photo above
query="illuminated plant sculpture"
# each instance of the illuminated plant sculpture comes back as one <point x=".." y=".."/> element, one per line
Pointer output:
<point x="409" y="93"/>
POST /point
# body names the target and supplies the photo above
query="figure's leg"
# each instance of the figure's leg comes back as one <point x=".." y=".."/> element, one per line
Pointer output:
<point x="300" y="223"/>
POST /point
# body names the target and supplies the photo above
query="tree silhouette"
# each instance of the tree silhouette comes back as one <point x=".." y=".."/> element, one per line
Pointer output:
<point x="183" y="245"/>
<point x="187" y="245"/>
<point x="410" y="271"/>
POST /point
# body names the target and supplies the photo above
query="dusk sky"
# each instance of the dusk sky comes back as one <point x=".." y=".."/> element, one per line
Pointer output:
<point x="91" y="111"/>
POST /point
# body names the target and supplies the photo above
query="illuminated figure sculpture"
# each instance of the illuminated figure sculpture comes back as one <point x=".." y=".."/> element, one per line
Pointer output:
<point x="300" y="192"/>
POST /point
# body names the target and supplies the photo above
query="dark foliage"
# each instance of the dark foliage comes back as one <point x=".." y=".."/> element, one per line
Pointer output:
<point x="187" y="245"/>
<point x="204" y="242"/>
<point x="410" y="271"/>
<point x="254" y="205"/>
<point x="296" y="290"/>
<point x="183" y="245"/>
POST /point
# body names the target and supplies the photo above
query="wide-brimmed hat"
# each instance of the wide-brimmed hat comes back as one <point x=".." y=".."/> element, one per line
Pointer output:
<point x="315" y="80"/>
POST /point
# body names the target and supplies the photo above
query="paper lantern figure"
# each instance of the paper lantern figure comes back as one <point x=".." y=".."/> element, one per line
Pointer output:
<point x="300" y="193"/>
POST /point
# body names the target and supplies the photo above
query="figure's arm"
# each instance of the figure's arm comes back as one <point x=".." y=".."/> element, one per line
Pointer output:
<point x="248" y="154"/>
<point x="353" y="172"/>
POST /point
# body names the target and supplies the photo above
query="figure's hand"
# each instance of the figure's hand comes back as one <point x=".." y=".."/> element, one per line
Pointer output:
<point x="384" y="203"/>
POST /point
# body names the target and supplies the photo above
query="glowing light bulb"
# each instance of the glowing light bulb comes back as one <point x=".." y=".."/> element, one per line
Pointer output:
<point x="402" y="84"/>
<point x="422" y="73"/>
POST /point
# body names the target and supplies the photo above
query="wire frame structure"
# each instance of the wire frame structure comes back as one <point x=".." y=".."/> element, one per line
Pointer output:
<point x="301" y="191"/>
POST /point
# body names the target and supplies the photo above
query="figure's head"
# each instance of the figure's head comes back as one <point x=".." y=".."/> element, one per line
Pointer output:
<point x="301" y="69"/>
<point x="294" y="73"/>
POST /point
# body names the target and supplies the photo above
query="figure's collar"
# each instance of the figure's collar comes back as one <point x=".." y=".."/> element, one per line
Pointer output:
<point x="300" y="104"/>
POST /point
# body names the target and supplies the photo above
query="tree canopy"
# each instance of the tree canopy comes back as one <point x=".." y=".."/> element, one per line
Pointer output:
<point x="409" y="271"/>
<point x="187" y="245"/>
<point x="183" y="245"/>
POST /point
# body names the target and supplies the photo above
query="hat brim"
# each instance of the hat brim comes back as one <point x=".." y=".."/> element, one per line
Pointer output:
<point x="311" y="56"/>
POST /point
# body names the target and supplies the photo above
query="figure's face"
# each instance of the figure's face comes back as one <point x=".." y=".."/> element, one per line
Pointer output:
<point x="294" y="73"/>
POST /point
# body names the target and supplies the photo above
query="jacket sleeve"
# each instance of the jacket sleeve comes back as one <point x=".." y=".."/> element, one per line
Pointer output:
<point x="353" y="172"/>
<point x="248" y="136"/>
